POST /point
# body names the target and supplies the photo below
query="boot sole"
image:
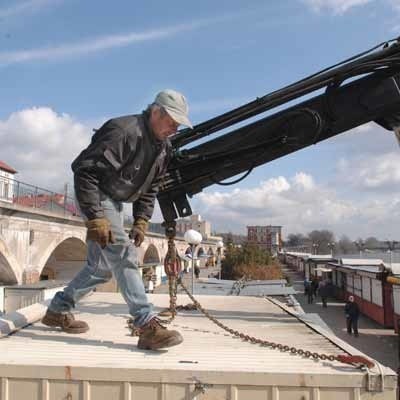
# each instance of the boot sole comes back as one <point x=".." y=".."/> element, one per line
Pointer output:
<point x="170" y="343"/>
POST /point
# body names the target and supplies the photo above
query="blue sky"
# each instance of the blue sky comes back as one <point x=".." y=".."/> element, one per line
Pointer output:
<point x="68" y="65"/>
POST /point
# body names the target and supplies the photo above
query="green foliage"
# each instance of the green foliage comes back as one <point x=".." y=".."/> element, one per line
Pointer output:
<point x="249" y="260"/>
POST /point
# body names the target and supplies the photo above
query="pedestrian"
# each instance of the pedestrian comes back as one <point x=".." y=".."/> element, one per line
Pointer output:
<point x="197" y="272"/>
<point x="305" y="284"/>
<point x="323" y="290"/>
<point x="309" y="292"/>
<point x="314" y="285"/>
<point x="352" y="313"/>
<point x="125" y="162"/>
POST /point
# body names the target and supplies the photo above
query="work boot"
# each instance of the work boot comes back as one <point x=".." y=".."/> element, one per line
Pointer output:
<point x="66" y="322"/>
<point x="155" y="336"/>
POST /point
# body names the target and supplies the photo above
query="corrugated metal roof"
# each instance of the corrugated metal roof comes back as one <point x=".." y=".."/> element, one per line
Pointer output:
<point x="321" y="257"/>
<point x="366" y="268"/>
<point x="266" y="290"/>
<point x="394" y="267"/>
<point x="104" y="363"/>
<point x="46" y="284"/>
<point x="212" y="286"/>
<point x="108" y="344"/>
<point x="361" y="261"/>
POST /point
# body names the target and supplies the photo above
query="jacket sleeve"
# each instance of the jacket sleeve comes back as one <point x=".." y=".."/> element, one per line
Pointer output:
<point x="108" y="150"/>
<point x="144" y="206"/>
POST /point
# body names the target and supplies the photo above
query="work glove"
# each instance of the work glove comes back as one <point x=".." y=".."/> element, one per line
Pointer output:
<point x="99" y="230"/>
<point x="138" y="231"/>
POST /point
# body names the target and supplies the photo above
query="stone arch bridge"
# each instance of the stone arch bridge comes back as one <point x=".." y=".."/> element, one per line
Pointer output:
<point x="37" y="244"/>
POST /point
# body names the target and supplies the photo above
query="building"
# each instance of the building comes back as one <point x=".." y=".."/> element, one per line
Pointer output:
<point x="267" y="237"/>
<point x="6" y="182"/>
<point x="194" y="222"/>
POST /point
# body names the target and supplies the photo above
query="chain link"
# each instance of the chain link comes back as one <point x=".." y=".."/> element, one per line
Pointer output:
<point x="254" y="340"/>
<point x="172" y="259"/>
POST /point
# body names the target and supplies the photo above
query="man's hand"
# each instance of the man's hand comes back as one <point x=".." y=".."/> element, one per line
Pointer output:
<point x="138" y="231"/>
<point x="99" y="230"/>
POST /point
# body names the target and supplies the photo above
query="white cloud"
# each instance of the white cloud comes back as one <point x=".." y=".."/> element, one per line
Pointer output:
<point x="375" y="172"/>
<point x="24" y="7"/>
<point x="87" y="46"/>
<point x="41" y="144"/>
<point x="395" y="4"/>
<point x="338" y="7"/>
<point x="299" y="204"/>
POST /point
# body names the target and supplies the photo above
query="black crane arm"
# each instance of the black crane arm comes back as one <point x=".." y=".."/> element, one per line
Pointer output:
<point x="372" y="94"/>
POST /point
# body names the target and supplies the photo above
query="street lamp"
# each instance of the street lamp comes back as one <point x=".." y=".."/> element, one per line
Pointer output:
<point x="331" y="245"/>
<point x="315" y="245"/>
<point x="193" y="238"/>
<point x="360" y="246"/>
<point x="220" y="245"/>
<point x="391" y="246"/>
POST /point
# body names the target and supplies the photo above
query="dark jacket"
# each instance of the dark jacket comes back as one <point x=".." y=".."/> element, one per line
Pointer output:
<point x="125" y="162"/>
<point x="351" y="310"/>
<point x="325" y="289"/>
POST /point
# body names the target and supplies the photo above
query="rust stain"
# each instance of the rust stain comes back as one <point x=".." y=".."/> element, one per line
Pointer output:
<point x="68" y="373"/>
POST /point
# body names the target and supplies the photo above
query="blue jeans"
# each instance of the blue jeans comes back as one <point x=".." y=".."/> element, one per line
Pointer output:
<point x="119" y="258"/>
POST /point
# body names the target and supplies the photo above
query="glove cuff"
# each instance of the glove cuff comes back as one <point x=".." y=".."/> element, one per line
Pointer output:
<point x="141" y="224"/>
<point x="97" y="222"/>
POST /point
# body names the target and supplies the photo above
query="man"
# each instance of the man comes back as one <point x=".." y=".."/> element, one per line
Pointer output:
<point x="323" y="290"/>
<point x="352" y="313"/>
<point x="309" y="292"/>
<point x="124" y="162"/>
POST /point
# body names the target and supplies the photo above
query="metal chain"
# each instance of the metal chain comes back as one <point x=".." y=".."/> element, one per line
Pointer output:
<point x="171" y="257"/>
<point x="347" y="359"/>
<point x="173" y="262"/>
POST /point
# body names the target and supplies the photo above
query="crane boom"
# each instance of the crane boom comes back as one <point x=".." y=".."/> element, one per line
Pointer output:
<point x="371" y="94"/>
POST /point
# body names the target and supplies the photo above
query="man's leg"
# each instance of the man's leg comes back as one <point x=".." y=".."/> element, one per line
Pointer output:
<point x="348" y="325"/>
<point x="355" y="326"/>
<point x="95" y="271"/>
<point x="121" y="258"/>
<point x="123" y="261"/>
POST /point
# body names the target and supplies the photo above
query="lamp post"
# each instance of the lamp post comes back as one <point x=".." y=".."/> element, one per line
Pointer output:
<point x="360" y="246"/>
<point x="220" y="245"/>
<point x="331" y="245"/>
<point x="391" y="246"/>
<point x="193" y="238"/>
<point x="315" y="245"/>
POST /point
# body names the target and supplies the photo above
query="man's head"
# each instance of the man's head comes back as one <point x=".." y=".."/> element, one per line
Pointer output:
<point x="167" y="113"/>
<point x="351" y="299"/>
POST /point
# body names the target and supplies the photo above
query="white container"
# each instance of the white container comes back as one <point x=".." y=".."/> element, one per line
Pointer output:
<point x="20" y="296"/>
<point x="41" y="363"/>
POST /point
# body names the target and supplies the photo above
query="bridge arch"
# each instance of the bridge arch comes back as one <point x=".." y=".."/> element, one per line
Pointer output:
<point x="151" y="255"/>
<point x="10" y="270"/>
<point x="201" y="252"/>
<point x="63" y="260"/>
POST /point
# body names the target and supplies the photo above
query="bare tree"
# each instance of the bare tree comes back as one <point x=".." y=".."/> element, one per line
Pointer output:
<point x="322" y="240"/>
<point x="296" y="240"/>
<point x="346" y="246"/>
